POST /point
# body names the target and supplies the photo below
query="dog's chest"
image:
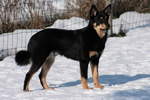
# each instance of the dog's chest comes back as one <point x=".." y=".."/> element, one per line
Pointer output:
<point x="97" y="45"/>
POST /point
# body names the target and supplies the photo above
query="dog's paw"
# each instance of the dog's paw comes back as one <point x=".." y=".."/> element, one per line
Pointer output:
<point x="87" y="88"/>
<point x="27" y="90"/>
<point x="99" y="86"/>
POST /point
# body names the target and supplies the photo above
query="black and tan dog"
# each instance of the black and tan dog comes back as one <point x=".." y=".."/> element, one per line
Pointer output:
<point x="84" y="45"/>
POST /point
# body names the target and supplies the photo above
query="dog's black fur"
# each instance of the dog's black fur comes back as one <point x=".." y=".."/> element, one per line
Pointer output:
<point x="74" y="44"/>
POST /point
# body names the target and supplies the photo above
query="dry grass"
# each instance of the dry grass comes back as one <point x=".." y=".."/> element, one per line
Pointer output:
<point x="121" y="6"/>
<point x="27" y="15"/>
<point x="81" y="8"/>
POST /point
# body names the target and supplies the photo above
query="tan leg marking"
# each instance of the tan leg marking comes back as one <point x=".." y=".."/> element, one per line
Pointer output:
<point x="95" y="76"/>
<point x="84" y="83"/>
<point x="45" y="68"/>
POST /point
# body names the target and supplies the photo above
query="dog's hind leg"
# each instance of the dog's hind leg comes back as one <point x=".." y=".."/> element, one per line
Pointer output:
<point x="37" y="61"/>
<point x="34" y="68"/>
<point x="44" y="71"/>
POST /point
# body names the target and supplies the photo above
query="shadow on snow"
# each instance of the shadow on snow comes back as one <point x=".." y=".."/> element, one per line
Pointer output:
<point x="110" y="80"/>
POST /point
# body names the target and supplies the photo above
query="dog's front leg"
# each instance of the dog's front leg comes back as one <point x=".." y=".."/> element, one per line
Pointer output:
<point x="84" y="74"/>
<point x="94" y="60"/>
<point x="95" y="76"/>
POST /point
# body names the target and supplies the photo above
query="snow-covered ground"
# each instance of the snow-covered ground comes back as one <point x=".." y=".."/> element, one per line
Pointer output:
<point x="124" y="71"/>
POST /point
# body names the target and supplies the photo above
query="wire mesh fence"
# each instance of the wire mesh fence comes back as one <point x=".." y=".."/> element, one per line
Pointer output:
<point x="20" y="19"/>
<point x="129" y="14"/>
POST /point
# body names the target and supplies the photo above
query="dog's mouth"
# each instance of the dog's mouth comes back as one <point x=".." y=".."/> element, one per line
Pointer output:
<point x="103" y="30"/>
<point x="100" y="29"/>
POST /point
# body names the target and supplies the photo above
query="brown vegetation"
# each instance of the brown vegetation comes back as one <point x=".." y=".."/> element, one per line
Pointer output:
<point x="24" y="14"/>
<point x="121" y="6"/>
<point x="28" y="14"/>
<point x="81" y="7"/>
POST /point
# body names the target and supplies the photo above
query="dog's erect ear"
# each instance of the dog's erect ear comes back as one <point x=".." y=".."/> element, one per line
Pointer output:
<point x="93" y="11"/>
<point x="107" y="10"/>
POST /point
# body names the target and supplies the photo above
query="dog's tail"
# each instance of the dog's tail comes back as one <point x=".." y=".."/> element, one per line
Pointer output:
<point x="22" y="58"/>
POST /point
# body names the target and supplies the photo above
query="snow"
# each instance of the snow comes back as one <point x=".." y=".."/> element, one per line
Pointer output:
<point x="59" y="4"/>
<point x="72" y="23"/>
<point x="124" y="71"/>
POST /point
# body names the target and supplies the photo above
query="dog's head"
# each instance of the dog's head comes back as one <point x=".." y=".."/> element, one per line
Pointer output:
<point x="99" y="20"/>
